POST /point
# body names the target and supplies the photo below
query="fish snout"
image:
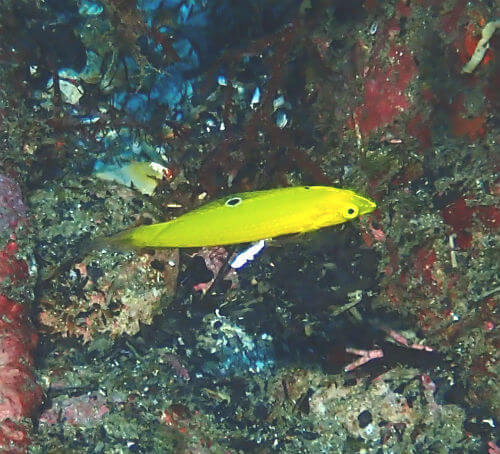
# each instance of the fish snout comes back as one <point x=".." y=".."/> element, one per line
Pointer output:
<point x="364" y="205"/>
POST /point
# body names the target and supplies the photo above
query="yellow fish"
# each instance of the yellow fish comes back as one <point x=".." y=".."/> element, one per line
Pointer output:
<point x="251" y="216"/>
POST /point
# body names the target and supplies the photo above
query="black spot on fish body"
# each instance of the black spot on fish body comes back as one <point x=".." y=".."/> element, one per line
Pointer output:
<point x="233" y="201"/>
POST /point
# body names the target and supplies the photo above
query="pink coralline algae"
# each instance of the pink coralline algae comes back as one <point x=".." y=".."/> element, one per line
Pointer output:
<point x="461" y="218"/>
<point x="85" y="410"/>
<point x="384" y="93"/>
<point x="176" y="365"/>
<point x="12" y="209"/>
<point x="11" y="267"/>
<point x="215" y="258"/>
<point x="19" y="394"/>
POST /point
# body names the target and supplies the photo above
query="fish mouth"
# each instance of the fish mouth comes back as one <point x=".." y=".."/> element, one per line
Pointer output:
<point x="364" y="205"/>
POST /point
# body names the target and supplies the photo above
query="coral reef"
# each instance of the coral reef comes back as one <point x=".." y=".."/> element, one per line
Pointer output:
<point x="376" y="336"/>
<point x="86" y="289"/>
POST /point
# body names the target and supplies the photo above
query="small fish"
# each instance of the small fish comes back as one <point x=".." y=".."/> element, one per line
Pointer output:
<point x="145" y="176"/>
<point x="251" y="216"/>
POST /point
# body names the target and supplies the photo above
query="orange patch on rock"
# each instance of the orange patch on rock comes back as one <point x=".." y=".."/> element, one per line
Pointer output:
<point x="473" y="127"/>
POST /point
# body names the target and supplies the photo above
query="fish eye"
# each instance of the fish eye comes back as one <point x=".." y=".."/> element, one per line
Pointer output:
<point x="350" y="212"/>
<point x="233" y="201"/>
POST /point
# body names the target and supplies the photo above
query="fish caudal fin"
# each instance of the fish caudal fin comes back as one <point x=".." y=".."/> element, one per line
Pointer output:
<point x="121" y="241"/>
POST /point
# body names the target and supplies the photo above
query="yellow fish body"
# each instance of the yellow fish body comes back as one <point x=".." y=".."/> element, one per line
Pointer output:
<point x="252" y="216"/>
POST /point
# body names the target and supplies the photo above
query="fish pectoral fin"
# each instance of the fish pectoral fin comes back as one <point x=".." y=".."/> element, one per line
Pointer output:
<point x="285" y="239"/>
<point x="317" y="223"/>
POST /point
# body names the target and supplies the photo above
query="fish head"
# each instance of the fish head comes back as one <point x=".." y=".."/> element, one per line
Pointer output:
<point x="356" y="205"/>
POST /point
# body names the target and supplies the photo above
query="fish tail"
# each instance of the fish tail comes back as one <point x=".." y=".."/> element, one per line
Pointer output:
<point x="121" y="241"/>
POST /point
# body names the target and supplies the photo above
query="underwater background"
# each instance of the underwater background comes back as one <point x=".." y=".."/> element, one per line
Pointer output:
<point x="380" y="335"/>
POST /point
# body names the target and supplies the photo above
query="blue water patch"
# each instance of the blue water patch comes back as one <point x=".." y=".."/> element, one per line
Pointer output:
<point x="89" y="8"/>
<point x="233" y="351"/>
<point x="238" y="357"/>
<point x="135" y="104"/>
<point x="152" y="5"/>
<point x="186" y="53"/>
<point x="169" y="89"/>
